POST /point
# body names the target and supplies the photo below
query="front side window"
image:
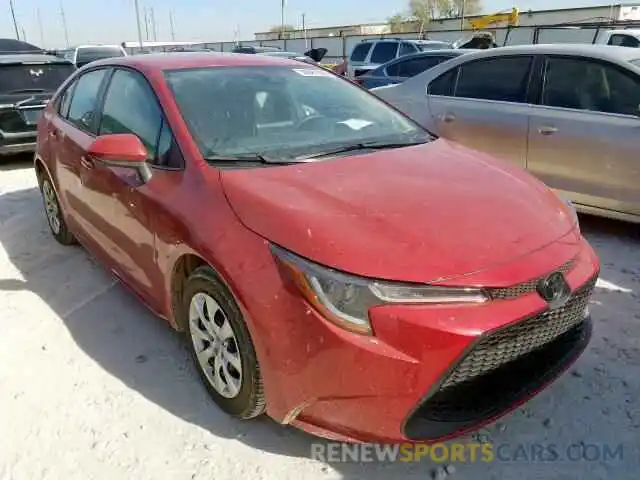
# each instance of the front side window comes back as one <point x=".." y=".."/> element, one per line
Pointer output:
<point x="384" y="51"/>
<point x="502" y="79"/>
<point x="130" y="106"/>
<point x="584" y="84"/>
<point x="360" y="52"/>
<point x="85" y="100"/>
<point x="622" y="40"/>
<point x="283" y="112"/>
<point x="407" y="49"/>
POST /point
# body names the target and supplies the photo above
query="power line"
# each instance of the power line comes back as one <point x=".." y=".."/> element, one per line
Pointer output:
<point x="13" y="15"/>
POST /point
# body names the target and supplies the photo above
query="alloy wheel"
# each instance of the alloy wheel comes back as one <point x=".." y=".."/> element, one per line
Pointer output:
<point x="216" y="345"/>
<point x="51" y="206"/>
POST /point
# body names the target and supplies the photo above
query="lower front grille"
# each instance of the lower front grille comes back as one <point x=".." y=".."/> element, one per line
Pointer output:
<point x="523" y="337"/>
<point x="503" y="368"/>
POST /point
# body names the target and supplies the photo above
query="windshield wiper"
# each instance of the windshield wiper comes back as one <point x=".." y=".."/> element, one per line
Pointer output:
<point x="360" y="146"/>
<point x="248" y="158"/>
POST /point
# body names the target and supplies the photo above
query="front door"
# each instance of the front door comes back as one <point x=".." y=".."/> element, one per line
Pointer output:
<point x="585" y="137"/>
<point x="124" y="205"/>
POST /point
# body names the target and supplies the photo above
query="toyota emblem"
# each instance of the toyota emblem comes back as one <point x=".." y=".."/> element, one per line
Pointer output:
<point x="554" y="290"/>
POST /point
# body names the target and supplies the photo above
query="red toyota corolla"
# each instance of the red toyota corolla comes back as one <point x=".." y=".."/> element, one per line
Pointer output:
<point x="331" y="263"/>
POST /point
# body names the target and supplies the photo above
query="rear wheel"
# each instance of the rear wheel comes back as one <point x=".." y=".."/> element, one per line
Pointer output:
<point x="55" y="218"/>
<point x="221" y="346"/>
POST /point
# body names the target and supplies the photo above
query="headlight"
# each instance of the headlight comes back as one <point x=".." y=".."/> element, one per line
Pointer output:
<point x="345" y="299"/>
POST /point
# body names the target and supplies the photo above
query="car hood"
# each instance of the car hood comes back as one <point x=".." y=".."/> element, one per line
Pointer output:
<point x="422" y="213"/>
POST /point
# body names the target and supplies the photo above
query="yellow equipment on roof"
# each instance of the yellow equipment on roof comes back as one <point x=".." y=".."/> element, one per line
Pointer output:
<point x="511" y="19"/>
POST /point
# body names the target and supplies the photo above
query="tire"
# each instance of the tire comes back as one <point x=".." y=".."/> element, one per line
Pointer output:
<point x="239" y="393"/>
<point x="53" y="212"/>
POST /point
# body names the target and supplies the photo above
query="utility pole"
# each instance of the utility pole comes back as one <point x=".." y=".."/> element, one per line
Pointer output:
<point x="171" y="25"/>
<point x="13" y="15"/>
<point x="282" y="4"/>
<point x="146" y="23"/>
<point x="153" y="25"/>
<point x="24" y="35"/>
<point x="304" y="30"/>
<point x="40" y="26"/>
<point x="138" y="23"/>
<point x="462" y="14"/>
<point x="64" y="24"/>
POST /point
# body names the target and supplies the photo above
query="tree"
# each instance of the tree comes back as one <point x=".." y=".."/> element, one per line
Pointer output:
<point x="400" y="24"/>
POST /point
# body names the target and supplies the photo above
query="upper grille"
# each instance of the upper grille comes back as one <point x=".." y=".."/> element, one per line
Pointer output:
<point x="524" y="288"/>
<point x="513" y="341"/>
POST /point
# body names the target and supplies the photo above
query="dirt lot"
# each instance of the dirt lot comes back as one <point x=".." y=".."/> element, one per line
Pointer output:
<point x="92" y="386"/>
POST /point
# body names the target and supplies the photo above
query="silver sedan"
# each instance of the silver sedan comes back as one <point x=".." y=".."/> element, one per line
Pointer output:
<point x="570" y="114"/>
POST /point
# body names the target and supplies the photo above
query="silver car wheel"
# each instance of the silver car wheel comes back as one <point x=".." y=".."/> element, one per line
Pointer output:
<point x="51" y="207"/>
<point x="216" y="345"/>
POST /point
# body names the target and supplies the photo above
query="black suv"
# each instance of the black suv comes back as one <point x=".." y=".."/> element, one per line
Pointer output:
<point x="27" y="82"/>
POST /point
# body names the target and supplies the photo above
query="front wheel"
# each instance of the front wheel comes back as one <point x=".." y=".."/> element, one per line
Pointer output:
<point x="221" y="346"/>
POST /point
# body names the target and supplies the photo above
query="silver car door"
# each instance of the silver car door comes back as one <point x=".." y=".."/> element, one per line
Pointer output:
<point x="585" y="136"/>
<point x="482" y="104"/>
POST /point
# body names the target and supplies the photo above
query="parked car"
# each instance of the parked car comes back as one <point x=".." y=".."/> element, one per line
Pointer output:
<point x="370" y="54"/>
<point x="234" y="194"/>
<point x="27" y="82"/>
<point x="252" y="49"/>
<point x="398" y="70"/>
<point x="570" y="114"/>
<point x="313" y="56"/>
<point x="85" y="54"/>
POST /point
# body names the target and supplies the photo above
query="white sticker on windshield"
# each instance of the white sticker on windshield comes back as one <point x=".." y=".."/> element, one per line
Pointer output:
<point x="356" y="123"/>
<point x="312" y="72"/>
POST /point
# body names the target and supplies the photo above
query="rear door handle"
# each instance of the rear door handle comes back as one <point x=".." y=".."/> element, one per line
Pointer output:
<point x="86" y="162"/>
<point x="547" y="130"/>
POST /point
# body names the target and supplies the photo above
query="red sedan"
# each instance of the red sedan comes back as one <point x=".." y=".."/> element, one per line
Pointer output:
<point x="331" y="263"/>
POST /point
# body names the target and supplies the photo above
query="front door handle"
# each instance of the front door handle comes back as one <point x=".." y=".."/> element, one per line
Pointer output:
<point x="86" y="162"/>
<point x="547" y="130"/>
<point x="447" y="117"/>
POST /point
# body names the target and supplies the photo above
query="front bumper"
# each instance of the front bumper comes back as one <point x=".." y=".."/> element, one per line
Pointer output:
<point x="430" y="372"/>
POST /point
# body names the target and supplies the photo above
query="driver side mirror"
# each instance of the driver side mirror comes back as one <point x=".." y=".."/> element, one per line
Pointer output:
<point x="122" y="150"/>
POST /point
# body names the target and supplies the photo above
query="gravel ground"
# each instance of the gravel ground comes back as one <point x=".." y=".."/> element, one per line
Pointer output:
<point x="92" y="386"/>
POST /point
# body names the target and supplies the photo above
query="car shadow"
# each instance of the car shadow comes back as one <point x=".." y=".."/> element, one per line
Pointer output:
<point x="108" y="323"/>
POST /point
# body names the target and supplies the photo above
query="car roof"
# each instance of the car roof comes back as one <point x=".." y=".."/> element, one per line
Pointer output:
<point x="580" y="49"/>
<point x="31" y="58"/>
<point x="186" y="60"/>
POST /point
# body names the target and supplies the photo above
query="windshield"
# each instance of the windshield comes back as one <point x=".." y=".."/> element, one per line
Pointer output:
<point x="282" y="112"/>
<point x="46" y="77"/>
<point x="86" y="55"/>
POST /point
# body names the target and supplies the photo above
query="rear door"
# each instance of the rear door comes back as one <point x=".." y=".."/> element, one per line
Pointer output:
<point x="72" y="132"/>
<point x="585" y="135"/>
<point x="483" y="104"/>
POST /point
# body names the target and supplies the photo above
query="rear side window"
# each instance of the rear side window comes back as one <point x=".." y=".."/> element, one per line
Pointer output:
<point x="65" y="101"/>
<point x="443" y="85"/>
<point x="414" y="66"/>
<point x="384" y="51"/>
<point x="502" y="79"/>
<point x="360" y="52"/>
<point x="85" y="99"/>
<point x="407" y="48"/>
<point x="622" y="40"/>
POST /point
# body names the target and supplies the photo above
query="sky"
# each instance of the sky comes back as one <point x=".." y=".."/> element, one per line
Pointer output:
<point x="114" y="21"/>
